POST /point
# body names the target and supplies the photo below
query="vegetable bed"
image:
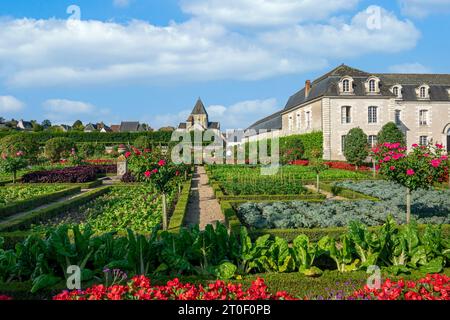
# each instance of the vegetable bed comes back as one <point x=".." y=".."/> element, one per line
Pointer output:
<point x="133" y="207"/>
<point x="432" y="206"/>
<point x="12" y="194"/>
<point x="80" y="174"/>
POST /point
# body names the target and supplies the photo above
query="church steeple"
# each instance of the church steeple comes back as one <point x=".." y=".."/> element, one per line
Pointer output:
<point x="199" y="108"/>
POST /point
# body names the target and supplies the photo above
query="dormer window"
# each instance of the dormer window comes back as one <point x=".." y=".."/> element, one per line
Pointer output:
<point x="423" y="92"/>
<point x="397" y="91"/>
<point x="346" y="85"/>
<point x="373" y="85"/>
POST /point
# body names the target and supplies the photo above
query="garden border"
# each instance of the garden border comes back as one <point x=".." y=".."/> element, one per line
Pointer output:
<point x="177" y="219"/>
<point x="54" y="209"/>
<point x="24" y="205"/>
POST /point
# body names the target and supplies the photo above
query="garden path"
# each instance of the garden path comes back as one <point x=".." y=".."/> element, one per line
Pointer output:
<point x="203" y="208"/>
<point x="329" y="195"/>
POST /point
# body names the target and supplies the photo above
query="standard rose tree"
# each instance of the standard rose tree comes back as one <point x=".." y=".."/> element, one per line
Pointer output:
<point x="419" y="169"/>
<point x="13" y="163"/>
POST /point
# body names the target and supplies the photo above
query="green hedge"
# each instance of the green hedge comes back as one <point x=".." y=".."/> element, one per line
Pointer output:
<point x="21" y="206"/>
<point x="110" y="137"/>
<point x="23" y="222"/>
<point x="231" y="220"/>
<point x="179" y="213"/>
<point x="311" y="141"/>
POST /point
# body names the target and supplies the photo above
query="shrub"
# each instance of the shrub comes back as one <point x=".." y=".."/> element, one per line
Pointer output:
<point x="310" y="141"/>
<point x="79" y="174"/>
<point x="356" y="147"/>
<point x="390" y="133"/>
<point x="12" y="144"/>
<point x="58" y="148"/>
<point x="87" y="149"/>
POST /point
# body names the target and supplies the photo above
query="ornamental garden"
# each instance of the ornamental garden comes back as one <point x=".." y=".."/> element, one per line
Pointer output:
<point x="72" y="228"/>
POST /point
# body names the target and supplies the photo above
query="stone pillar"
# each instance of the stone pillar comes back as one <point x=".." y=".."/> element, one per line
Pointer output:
<point x="326" y="124"/>
<point x="122" y="166"/>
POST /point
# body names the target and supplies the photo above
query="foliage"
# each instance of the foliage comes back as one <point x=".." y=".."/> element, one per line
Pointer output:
<point x="429" y="207"/>
<point x="12" y="164"/>
<point x="80" y="174"/>
<point x="58" y="148"/>
<point x="419" y="169"/>
<point x="9" y="195"/>
<point x="218" y="253"/>
<point x="291" y="150"/>
<point x="10" y="145"/>
<point x="390" y="133"/>
<point x="143" y="143"/>
<point x="310" y="141"/>
<point x="267" y="185"/>
<point x="356" y="148"/>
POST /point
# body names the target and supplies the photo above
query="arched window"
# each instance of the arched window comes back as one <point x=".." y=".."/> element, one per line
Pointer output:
<point x="373" y="114"/>
<point x="346" y="85"/>
<point x="372" y="86"/>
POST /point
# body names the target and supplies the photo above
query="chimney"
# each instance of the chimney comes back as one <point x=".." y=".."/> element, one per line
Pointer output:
<point x="307" y="88"/>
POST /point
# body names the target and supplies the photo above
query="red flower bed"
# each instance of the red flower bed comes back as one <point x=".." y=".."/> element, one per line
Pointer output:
<point x="432" y="287"/>
<point x="333" y="165"/>
<point x="5" y="298"/>
<point x="139" y="288"/>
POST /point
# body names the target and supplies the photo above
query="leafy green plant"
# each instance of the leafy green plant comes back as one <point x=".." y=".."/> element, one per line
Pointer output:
<point x="304" y="253"/>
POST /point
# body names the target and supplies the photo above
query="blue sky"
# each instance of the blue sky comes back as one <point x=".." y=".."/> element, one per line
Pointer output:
<point x="149" y="60"/>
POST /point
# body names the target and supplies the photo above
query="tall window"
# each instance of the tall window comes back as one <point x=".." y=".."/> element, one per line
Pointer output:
<point x="395" y="91"/>
<point x="343" y="143"/>
<point x="372" y="86"/>
<point x="423" y="117"/>
<point x="372" y="141"/>
<point x="423" y="140"/>
<point x="308" y="119"/>
<point x="398" y="117"/>
<point x="423" y="92"/>
<point x="373" y="114"/>
<point x="291" y="123"/>
<point x="299" y="123"/>
<point x="346" y="85"/>
<point x="346" y="116"/>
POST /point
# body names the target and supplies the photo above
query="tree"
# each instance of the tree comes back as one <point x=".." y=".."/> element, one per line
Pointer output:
<point x="356" y="149"/>
<point x="78" y="126"/>
<point x="142" y="142"/>
<point x="13" y="163"/>
<point x="317" y="165"/>
<point x="21" y="142"/>
<point x="46" y="124"/>
<point x="390" y="133"/>
<point x="58" y="148"/>
<point x="419" y="169"/>
<point x="37" y="127"/>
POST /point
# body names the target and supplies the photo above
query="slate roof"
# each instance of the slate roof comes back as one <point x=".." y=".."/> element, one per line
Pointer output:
<point x="115" y="128"/>
<point x="272" y="122"/>
<point x="199" y="108"/>
<point x="182" y="125"/>
<point x="129" y="126"/>
<point x="214" y="125"/>
<point x="327" y="85"/>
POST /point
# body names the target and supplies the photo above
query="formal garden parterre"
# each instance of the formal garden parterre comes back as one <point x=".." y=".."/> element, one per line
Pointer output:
<point x="309" y="233"/>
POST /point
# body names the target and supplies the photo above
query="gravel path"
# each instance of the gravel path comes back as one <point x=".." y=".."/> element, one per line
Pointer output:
<point x="328" y="194"/>
<point x="203" y="207"/>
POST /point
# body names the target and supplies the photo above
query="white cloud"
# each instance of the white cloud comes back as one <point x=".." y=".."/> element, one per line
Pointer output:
<point x="264" y="12"/>
<point x="10" y="104"/>
<point x="237" y="116"/>
<point x="242" y="114"/>
<point x="39" y="53"/>
<point x="342" y="40"/>
<point x="121" y="3"/>
<point x="410" y="68"/>
<point x="423" y="8"/>
<point x="67" y="110"/>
